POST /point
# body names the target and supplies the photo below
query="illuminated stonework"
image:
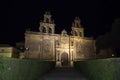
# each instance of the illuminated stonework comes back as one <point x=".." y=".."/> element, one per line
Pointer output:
<point x="62" y="48"/>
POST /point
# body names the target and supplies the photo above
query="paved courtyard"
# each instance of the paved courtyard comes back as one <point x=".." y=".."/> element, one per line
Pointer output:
<point x="63" y="74"/>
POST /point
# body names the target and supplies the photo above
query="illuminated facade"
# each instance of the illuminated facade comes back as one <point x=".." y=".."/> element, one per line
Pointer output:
<point x="62" y="48"/>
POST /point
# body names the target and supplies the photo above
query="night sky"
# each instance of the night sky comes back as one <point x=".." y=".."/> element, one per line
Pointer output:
<point x="96" y="16"/>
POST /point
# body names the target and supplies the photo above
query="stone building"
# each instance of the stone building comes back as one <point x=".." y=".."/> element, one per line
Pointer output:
<point x="62" y="48"/>
<point x="8" y="51"/>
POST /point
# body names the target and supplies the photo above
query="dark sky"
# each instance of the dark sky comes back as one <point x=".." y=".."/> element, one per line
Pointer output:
<point x="96" y="16"/>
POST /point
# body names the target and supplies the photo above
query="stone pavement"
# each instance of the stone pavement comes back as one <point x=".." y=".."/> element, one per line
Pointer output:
<point x="63" y="74"/>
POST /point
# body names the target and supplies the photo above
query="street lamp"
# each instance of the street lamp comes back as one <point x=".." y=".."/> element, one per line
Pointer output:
<point x="26" y="49"/>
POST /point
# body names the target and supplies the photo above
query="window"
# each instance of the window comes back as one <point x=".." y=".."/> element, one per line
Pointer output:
<point x="47" y="20"/>
<point x="49" y="30"/>
<point x="44" y="30"/>
<point x="71" y="43"/>
<point x="75" y="33"/>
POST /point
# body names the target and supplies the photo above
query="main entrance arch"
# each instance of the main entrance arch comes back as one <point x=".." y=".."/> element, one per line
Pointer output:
<point x="64" y="59"/>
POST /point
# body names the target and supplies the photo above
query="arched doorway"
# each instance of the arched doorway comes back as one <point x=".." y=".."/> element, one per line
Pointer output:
<point x="64" y="59"/>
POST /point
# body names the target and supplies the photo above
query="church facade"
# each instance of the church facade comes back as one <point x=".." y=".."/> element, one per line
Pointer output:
<point x="62" y="48"/>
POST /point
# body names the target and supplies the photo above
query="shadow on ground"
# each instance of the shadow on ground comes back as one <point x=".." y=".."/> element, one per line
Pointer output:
<point x="63" y="74"/>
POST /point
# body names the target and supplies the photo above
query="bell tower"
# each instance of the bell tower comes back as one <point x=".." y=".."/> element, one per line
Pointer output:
<point x="77" y="29"/>
<point x="47" y="25"/>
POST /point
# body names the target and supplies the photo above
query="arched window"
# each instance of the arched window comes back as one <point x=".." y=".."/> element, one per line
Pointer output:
<point x="75" y="33"/>
<point x="71" y="43"/>
<point x="49" y="30"/>
<point x="44" y="30"/>
<point x="47" y="20"/>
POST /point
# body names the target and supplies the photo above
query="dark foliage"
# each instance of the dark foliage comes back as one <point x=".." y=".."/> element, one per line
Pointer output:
<point x="101" y="69"/>
<point x="110" y="40"/>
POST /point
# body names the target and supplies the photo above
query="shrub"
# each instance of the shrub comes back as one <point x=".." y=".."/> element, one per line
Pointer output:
<point x="21" y="69"/>
<point x="100" y="69"/>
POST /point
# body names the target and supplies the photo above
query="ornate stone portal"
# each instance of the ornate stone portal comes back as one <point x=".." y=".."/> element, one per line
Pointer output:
<point x="62" y="48"/>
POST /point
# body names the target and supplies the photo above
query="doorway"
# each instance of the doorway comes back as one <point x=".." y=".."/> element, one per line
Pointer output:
<point x="64" y="59"/>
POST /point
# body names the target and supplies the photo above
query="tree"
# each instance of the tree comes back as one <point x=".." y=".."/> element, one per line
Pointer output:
<point x="110" y="40"/>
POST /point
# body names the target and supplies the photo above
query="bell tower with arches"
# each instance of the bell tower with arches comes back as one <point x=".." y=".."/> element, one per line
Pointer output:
<point x="77" y="29"/>
<point x="47" y="25"/>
